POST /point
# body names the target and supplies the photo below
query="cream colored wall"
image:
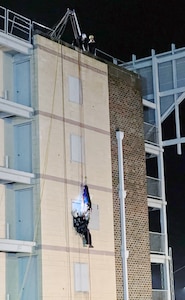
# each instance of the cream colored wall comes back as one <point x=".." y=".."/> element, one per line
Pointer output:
<point x="61" y="246"/>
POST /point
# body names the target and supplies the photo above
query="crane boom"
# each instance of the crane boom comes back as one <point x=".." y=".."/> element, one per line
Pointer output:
<point x="60" y="27"/>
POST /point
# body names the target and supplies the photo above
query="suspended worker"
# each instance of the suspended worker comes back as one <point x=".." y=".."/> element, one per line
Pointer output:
<point x="81" y="218"/>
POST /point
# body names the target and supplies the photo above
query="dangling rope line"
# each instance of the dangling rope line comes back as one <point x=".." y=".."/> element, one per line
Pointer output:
<point x="65" y="178"/>
<point x="83" y="167"/>
<point x="42" y="188"/>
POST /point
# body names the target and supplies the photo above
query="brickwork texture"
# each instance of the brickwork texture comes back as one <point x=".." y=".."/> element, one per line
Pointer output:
<point x="126" y="114"/>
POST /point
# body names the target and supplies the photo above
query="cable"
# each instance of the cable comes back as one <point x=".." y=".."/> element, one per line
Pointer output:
<point x="178" y="269"/>
<point x="65" y="177"/>
<point x="42" y="188"/>
<point x="83" y="154"/>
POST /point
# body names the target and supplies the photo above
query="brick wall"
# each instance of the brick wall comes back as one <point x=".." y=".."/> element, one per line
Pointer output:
<point x="126" y="113"/>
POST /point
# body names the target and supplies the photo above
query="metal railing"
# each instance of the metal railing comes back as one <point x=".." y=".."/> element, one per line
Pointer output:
<point x="151" y="133"/>
<point x="154" y="187"/>
<point x="39" y="28"/>
<point x="101" y="54"/>
<point x="16" y="25"/>
<point x="157" y="242"/>
<point x="159" y="295"/>
<point x="2" y="19"/>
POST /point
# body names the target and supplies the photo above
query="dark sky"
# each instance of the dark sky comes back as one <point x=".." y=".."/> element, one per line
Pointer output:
<point x="122" y="28"/>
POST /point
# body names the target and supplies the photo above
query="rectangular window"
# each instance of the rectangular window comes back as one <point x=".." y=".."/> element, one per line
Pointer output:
<point x="23" y="147"/>
<point x="81" y="276"/>
<point x="24" y="214"/>
<point x="94" y="217"/>
<point x="28" y="277"/>
<point x="74" y="90"/>
<point x="22" y="81"/>
<point x="76" y="148"/>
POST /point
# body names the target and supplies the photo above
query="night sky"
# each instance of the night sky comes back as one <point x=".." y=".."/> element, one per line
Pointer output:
<point x="122" y="28"/>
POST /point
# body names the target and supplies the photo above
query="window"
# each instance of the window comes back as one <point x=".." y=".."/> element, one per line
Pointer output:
<point x="28" y="270"/>
<point x="22" y="81"/>
<point x="24" y="214"/>
<point x="16" y="78"/>
<point x="81" y="276"/>
<point x="23" y="147"/>
<point x="74" y="89"/>
<point x="76" y="148"/>
<point x="94" y="218"/>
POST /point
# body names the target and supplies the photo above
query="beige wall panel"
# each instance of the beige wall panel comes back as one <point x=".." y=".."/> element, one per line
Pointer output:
<point x="94" y="111"/>
<point x="50" y="83"/>
<point x="97" y="159"/>
<point x="52" y="96"/>
<point x="53" y="212"/>
<point x="57" y="223"/>
<point x="85" y="59"/>
<point x="58" y="275"/>
<point x="102" y="276"/>
<point x="96" y="164"/>
<point x="51" y="147"/>
<point x="56" y="168"/>
<point x="55" y="153"/>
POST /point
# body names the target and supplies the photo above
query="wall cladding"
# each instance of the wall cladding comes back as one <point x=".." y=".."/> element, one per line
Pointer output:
<point x="126" y="114"/>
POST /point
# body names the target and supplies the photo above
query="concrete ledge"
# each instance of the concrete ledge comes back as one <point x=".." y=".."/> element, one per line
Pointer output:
<point x="10" y="175"/>
<point x="12" y="43"/>
<point x="8" y="245"/>
<point x="10" y="108"/>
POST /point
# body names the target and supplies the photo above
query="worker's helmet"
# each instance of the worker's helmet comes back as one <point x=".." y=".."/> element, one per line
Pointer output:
<point x="91" y="37"/>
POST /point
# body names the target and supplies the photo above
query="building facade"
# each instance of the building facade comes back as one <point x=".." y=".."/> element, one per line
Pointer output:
<point x="61" y="111"/>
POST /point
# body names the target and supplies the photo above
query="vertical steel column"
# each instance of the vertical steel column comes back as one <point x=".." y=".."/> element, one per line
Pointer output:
<point x="163" y="217"/>
<point x="177" y="119"/>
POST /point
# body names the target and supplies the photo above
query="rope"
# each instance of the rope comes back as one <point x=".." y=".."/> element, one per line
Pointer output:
<point x="65" y="177"/>
<point x="82" y="129"/>
<point x="83" y="168"/>
<point x="83" y="154"/>
<point x="42" y="188"/>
